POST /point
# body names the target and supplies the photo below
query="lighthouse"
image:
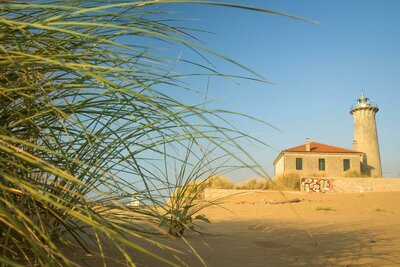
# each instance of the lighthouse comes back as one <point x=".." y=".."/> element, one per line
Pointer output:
<point x="366" y="136"/>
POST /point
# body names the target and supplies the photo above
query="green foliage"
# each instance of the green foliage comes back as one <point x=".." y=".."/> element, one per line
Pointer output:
<point x="186" y="197"/>
<point x="85" y="122"/>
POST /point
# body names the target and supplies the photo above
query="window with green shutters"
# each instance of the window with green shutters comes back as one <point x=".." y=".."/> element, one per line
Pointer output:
<point x="299" y="163"/>
<point x="346" y="164"/>
<point x="321" y="164"/>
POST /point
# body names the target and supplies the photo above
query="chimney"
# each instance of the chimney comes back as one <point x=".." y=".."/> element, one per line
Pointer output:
<point x="308" y="144"/>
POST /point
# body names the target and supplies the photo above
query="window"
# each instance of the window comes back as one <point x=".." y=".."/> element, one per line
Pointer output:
<point x="346" y="164"/>
<point x="299" y="163"/>
<point x="321" y="164"/>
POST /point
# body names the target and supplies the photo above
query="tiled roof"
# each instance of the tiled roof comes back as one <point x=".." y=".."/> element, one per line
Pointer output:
<point x="318" y="147"/>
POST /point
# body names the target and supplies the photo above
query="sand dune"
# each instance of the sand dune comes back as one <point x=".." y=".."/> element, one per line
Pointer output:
<point x="320" y="230"/>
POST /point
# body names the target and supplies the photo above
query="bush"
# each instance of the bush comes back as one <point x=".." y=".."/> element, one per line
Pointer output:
<point x="264" y="184"/>
<point x="219" y="182"/>
<point x="254" y="184"/>
<point x="288" y="181"/>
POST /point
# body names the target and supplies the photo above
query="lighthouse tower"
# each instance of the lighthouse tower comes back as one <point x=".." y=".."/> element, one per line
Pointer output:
<point x="366" y="136"/>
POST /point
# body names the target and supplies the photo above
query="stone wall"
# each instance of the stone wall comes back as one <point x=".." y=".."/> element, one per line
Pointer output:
<point x="349" y="185"/>
<point x="333" y="163"/>
<point x="325" y="185"/>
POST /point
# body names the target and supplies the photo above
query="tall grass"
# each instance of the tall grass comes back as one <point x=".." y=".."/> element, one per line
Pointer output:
<point x="219" y="182"/>
<point x="288" y="181"/>
<point x="254" y="184"/>
<point x="85" y="123"/>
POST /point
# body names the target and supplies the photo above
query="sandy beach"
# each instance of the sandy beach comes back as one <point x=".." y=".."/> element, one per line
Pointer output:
<point x="348" y="229"/>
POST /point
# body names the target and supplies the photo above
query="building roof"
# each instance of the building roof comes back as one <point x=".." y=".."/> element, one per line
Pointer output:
<point x="318" y="147"/>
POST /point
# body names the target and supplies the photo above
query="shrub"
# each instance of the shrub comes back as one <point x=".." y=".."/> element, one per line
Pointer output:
<point x="288" y="181"/>
<point x="219" y="182"/>
<point x="248" y="184"/>
<point x="263" y="184"/>
<point x="254" y="184"/>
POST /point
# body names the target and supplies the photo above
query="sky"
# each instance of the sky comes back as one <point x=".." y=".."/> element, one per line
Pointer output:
<point x="317" y="71"/>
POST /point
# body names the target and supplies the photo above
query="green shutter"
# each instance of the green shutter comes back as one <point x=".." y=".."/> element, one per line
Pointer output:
<point x="321" y="164"/>
<point x="346" y="164"/>
<point x="299" y="163"/>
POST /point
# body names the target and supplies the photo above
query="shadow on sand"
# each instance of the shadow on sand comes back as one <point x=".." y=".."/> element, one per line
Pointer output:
<point x="272" y="243"/>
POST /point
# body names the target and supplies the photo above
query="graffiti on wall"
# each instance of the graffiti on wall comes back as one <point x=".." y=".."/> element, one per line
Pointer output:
<point x="317" y="185"/>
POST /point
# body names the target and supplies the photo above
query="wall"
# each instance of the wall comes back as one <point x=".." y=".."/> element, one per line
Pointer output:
<point x="333" y="163"/>
<point x="279" y="166"/>
<point x="349" y="185"/>
<point x="336" y="185"/>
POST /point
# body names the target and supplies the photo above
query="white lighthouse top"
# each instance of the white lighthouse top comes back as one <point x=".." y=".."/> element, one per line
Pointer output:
<point x="363" y="102"/>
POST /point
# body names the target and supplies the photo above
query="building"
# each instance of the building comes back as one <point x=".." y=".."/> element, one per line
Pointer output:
<point x="366" y="136"/>
<point x="316" y="159"/>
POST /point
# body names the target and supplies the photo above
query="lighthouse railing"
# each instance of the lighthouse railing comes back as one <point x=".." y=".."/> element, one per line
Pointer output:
<point x="370" y="104"/>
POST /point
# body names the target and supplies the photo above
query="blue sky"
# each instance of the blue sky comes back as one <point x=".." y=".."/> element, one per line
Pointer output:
<point x="318" y="70"/>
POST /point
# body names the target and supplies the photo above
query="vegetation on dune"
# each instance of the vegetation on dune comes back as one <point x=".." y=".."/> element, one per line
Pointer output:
<point x="220" y="182"/>
<point x="254" y="184"/>
<point x="289" y="181"/>
<point x="85" y="123"/>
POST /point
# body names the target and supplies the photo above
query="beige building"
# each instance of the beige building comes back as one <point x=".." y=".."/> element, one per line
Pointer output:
<point x="316" y="159"/>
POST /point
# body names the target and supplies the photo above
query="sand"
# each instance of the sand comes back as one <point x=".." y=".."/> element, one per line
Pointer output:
<point x="348" y="229"/>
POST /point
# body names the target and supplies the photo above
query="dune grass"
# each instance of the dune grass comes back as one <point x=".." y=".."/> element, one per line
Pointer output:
<point x="85" y="123"/>
<point x="219" y="182"/>
<point x="254" y="184"/>
<point x="288" y="181"/>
